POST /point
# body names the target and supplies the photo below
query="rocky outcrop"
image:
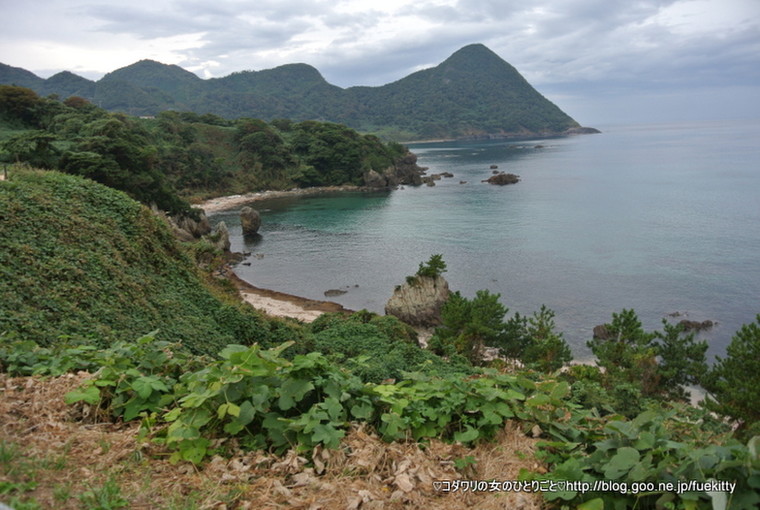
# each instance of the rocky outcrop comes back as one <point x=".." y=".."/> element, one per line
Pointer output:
<point x="250" y="220"/>
<point x="502" y="179"/>
<point x="418" y="302"/>
<point x="601" y="332"/>
<point x="404" y="171"/>
<point x="220" y="237"/>
<point x="196" y="228"/>
<point x="689" y="325"/>
<point x="185" y="228"/>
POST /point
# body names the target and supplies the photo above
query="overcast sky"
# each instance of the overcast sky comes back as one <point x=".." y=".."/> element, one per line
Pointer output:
<point x="602" y="61"/>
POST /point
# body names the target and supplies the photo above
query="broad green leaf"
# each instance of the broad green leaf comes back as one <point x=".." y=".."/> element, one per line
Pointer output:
<point x="194" y="450"/>
<point x="292" y="391"/>
<point x="334" y="408"/>
<point x="328" y="435"/>
<point x="144" y="386"/>
<point x="247" y="413"/>
<point x="592" y="504"/>
<point x="90" y="395"/>
<point x="622" y="462"/>
<point x="361" y="411"/>
<point x="466" y="436"/>
<point x="538" y="399"/>
<point x="173" y="414"/>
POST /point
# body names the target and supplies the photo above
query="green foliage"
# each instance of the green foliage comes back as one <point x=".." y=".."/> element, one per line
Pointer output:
<point x="733" y="382"/>
<point x="269" y="401"/>
<point x="376" y="348"/>
<point x="433" y="268"/>
<point x="117" y="269"/>
<point x="622" y="463"/>
<point x="468" y="326"/>
<point x="545" y="349"/>
<point x="641" y="365"/>
<point x="105" y="497"/>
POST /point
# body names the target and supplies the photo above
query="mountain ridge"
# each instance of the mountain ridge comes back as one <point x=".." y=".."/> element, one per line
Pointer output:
<point x="473" y="93"/>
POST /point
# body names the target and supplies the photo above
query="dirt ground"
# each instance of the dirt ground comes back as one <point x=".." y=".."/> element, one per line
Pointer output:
<point x="65" y="459"/>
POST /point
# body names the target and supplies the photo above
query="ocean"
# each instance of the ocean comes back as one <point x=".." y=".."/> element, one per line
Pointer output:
<point x="663" y="219"/>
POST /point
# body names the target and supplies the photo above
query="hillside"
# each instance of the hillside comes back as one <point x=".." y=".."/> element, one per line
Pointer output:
<point x="472" y="93"/>
<point x="84" y="263"/>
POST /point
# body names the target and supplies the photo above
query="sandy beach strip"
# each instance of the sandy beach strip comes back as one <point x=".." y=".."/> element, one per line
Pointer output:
<point x="226" y="203"/>
<point x="280" y="304"/>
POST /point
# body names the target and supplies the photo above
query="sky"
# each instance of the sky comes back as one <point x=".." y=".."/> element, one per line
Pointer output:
<point x="603" y="62"/>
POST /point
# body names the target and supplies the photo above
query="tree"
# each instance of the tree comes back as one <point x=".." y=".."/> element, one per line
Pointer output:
<point x="19" y="103"/>
<point x="468" y="326"/>
<point x="433" y="268"/>
<point x="650" y="364"/>
<point x="733" y="382"/>
<point x="545" y="349"/>
<point x="33" y="147"/>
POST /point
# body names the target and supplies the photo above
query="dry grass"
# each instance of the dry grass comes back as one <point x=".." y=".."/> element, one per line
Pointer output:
<point x="66" y="457"/>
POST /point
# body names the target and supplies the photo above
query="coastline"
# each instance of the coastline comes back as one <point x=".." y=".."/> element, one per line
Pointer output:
<point x="272" y="302"/>
<point x="280" y="304"/>
<point x="225" y="203"/>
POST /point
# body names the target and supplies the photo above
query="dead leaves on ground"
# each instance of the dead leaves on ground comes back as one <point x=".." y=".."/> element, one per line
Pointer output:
<point x="364" y="473"/>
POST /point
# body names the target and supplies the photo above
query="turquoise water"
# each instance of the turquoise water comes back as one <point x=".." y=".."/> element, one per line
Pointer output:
<point x="660" y="219"/>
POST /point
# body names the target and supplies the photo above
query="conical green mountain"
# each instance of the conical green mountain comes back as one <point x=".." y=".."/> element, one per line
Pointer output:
<point x="473" y="93"/>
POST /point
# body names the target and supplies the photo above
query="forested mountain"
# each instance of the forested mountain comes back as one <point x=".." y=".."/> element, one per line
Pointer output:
<point x="174" y="157"/>
<point x="472" y="93"/>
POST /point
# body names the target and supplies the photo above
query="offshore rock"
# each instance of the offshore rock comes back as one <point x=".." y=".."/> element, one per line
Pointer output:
<point x="502" y="179"/>
<point x="601" y="332"/>
<point x="418" y="302"/>
<point x="250" y="220"/>
<point x="689" y="325"/>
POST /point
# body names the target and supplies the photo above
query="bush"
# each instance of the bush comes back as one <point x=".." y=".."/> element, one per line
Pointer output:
<point x="375" y="348"/>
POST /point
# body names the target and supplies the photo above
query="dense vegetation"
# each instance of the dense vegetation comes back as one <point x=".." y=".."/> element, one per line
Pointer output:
<point x="92" y="280"/>
<point x="176" y="156"/>
<point x="83" y="263"/>
<point x="472" y="93"/>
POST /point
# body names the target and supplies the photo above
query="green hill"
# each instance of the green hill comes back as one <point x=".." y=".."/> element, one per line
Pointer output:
<point x="473" y="93"/>
<point x="84" y="263"/>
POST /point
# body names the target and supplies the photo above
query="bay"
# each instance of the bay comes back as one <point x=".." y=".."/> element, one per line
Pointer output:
<point x="658" y="218"/>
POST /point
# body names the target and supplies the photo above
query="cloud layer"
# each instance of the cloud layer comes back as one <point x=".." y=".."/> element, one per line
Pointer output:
<point x="563" y="47"/>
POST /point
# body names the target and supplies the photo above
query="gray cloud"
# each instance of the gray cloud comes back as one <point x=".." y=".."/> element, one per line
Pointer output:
<point x="564" y="47"/>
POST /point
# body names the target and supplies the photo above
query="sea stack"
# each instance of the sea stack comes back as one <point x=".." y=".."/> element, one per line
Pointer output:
<point x="250" y="220"/>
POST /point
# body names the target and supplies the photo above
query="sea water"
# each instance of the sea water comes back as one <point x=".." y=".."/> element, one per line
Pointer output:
<point x="664" y="219"/>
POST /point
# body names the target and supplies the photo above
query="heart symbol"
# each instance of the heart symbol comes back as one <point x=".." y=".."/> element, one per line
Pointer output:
<point x="437" y="486"/>
<point x="561" y="486"/>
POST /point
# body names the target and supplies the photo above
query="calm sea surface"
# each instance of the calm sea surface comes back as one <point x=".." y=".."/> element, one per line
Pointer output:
<point x="660" y="218"/>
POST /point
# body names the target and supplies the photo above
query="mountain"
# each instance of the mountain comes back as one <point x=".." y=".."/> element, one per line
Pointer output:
<point x="16" y="76"/>
<point x="473" y="93"/>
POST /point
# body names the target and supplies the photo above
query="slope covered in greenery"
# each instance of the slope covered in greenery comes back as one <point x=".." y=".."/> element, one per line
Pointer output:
<point x="84" y="263"/>
<point x="473" y="93"/>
